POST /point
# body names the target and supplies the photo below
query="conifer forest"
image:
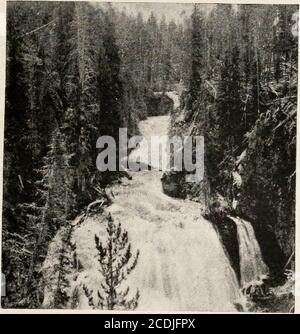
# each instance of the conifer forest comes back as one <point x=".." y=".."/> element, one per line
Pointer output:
<point x="78" y="237"/>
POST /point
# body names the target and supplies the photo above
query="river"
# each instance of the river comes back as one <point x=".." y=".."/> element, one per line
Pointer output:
<point x="182" y="264"/>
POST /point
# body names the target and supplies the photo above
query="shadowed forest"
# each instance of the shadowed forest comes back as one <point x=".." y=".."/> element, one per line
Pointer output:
<point x="78" y="71"/>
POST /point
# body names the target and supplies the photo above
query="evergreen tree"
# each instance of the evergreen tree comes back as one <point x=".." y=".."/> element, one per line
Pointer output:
<point x="116" y="263"/>
<point x="64" y="87"/>
<point x="244" y="17"/>
<point x="63" y="268"/>
<point x="229" y="111"/>
<point x="284" y="40"/>
<point x="56" y="205"/>
<point x="17" y="142"/>
<point x="197" y="53"/>
<point x="229" y="126"/>
<point x="17" y="187"/>
<point x="110" y="85"/>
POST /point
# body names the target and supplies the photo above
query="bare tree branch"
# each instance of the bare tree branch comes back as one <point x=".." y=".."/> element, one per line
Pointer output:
<point x="37" y="29"/>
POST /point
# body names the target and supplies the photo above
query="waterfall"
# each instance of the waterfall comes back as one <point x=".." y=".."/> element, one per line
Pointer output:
<point x="252" y="267"/>
<point x="182" y="264"/>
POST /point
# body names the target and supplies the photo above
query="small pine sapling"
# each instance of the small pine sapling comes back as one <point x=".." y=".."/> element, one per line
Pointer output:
<point x="64" y="268"/>
<point x="116" y="263"/>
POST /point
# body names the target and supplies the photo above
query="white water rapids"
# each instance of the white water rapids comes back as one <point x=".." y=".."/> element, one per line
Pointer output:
<point x="252" y="267"/>
<point x="182" y="264"/>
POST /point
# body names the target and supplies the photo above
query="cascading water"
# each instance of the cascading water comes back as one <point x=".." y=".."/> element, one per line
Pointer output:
<point x="182" y="265"/>
<point x="252" y="267"/>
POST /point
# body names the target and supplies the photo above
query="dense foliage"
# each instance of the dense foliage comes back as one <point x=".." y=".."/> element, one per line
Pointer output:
<point x="75" y="71"/>
<point x="116" y="263"/>
<point x="242" y="97"/>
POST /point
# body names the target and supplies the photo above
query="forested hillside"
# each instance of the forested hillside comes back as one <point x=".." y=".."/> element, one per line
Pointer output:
<point x="77" y="71"/>
<point x="242" y="97"/>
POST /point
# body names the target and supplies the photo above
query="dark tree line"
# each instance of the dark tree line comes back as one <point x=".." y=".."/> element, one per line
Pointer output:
<point x="242" y="97"/>
<point x="153" y="55"/>
<point x="116" y="263"/>
<point x="75" y="71"/>
<point x="53" y="118"/>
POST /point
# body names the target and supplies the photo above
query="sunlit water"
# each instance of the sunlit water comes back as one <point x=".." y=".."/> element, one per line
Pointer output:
<point x="182" y="264"/>
<point x="252" y="267"/>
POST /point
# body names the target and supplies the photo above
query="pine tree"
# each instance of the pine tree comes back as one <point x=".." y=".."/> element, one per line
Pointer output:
<point x="229" y="114"/>
<point x="81" y="96"/>
<point x="64" y="87"/>
<point x="283" y="40"/>
<point x="110" y="85"/>
<point x="197" y="53"/>
<point x="244" y="17"/>
<point x="18" y="187"/>
<point x="55" y="207"/>
<point x="254" y="105"/>
<point x="63" y="268"/>
<point x="17" y="143"/>
<point x="116" y="263"/>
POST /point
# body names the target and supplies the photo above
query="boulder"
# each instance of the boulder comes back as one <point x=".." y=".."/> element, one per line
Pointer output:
<point x="227" y="231"/>
<point x="172" y="184"/>
<point x="159" y="104"/>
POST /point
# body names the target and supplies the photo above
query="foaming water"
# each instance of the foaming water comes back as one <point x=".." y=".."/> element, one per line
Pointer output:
<point x="182" y="264"/>
<point x="252" y="267"/>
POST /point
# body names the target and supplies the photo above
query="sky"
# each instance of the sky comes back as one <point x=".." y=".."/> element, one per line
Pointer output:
<point x="171" y="11"/>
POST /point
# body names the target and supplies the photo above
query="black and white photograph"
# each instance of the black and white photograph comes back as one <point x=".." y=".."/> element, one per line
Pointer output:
<point x="149" y="157"/>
